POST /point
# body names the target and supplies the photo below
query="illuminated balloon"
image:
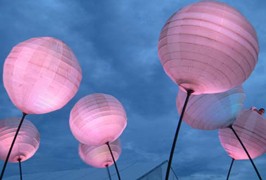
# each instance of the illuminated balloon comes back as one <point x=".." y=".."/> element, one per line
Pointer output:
<point x="97" y="118"/>
<point x="41" y="75"/>
<point x="208" y="47"/>
<point x="26" y="144"/>
<point x="211" y="111"/>
<point x="251" y="129"/>
<point x="100" y="156"/>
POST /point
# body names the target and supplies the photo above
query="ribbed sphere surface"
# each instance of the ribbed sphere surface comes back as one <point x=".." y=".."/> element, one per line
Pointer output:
<point x="208" y="47"/>
<point x="97" y="118"/>
<point x="41" y="75"/>
<point x="211" y="111"/>
<point x="99" y="156"/>
<point x="251" y="128"/>
<point x="26" y="144"/>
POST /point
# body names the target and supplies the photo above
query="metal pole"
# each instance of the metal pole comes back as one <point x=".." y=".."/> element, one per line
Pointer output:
<point x="189" y="92"/>
<point x="229" y="171"/>
<point x="12" y="144"/>
<point x="231" y="127"/>
<point x="20" y="168"/>
<point x="113" y="160"/>
<point x="108" y="171"/>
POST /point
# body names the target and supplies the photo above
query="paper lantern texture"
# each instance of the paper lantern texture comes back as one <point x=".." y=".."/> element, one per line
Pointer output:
<point x="100" y="156"/>
<point x="26" y="144"/>
<point x="208" y="47"/>
<point x="251" y="129"/>
<point x="212" y="111"/>
<point x="97" y="118"/>
<point x="41" y="75"/>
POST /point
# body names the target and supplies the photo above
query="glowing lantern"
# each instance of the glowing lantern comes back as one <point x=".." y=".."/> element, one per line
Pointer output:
<point x="27" y="142"/>
<point x="41" y="75"/>
<point x="99" y="156"/>
<point x="97" y="118"/>
<point x="251" y="129"/>
<point x="208" y="47"/>
<point x="212" y="111"/>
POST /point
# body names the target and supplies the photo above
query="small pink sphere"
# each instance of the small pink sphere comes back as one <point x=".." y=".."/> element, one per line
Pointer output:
<point x="251" y="129"/>
<point x="97" y="118"/>
<point x="208" y="47"/>
<point x="26" y="144"/>
<point x="41" y="75"/>
<point x="211" y="111"/>
<point x="100" y="156"/>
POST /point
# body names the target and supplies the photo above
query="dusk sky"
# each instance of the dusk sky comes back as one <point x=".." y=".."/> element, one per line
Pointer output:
<point x="115" y="43"/>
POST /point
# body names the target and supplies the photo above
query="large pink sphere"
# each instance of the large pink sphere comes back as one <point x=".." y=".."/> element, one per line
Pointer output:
<point x="251" y="128"/>
<point x="100" y="156"/>
<point x="26" y="144"/>
<point x="41" y="75"/>
<point x="211" y="111"/>
<point x="97" y="118"/>
<point x="208" y="47"/>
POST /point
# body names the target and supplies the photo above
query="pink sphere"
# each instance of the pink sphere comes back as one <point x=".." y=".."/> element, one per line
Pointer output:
<point x="251" y="128"/>
<point x="41" y="75"/>
<point x="26" y="144"/>
<point x="208" y="47"/>
<point x="97" y="118"/>
<point x="100" y="156"/>
<point x="211" y="111"/>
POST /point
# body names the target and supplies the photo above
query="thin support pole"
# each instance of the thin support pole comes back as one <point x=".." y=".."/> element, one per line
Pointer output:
<point x="189" y="92"/>
<point x="258" y="174"/>
<point x="229" y="171"/>
<point x="108" y="171"/>
<point x="113" y="160"/>
<point x="20" y="168"/>
<point x="12" y="144"/>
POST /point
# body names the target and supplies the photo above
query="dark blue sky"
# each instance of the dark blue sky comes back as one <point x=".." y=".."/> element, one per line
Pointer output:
<point x="116" y="45"/>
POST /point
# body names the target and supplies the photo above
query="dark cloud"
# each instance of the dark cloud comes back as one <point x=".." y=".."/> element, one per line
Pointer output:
<point x="116" y="45"/>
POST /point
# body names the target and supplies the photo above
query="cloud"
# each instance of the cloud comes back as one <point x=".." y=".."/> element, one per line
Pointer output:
<point x="116" y="45"/>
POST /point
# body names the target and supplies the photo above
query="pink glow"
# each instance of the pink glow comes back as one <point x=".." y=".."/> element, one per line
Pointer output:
<point x="251" y="128"/>
<point x="41" y="75"/>
<point x="99" y="156"/>
<point x="97" y="118"/>
<point x="26" y="144"/>
<point x="208" y="47"/>
<point x="211" y="111"/>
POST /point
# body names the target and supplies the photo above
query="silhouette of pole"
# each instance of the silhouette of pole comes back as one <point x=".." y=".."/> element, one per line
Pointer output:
<point x="231" y="127"/>
<point x="189" y="92"/>
<point x="229" y="171"/>
<point x="12" y="144"/>
<point x="108" y="171"/>
<point x="20" y="168"/>
<point x="113" y="160"/>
